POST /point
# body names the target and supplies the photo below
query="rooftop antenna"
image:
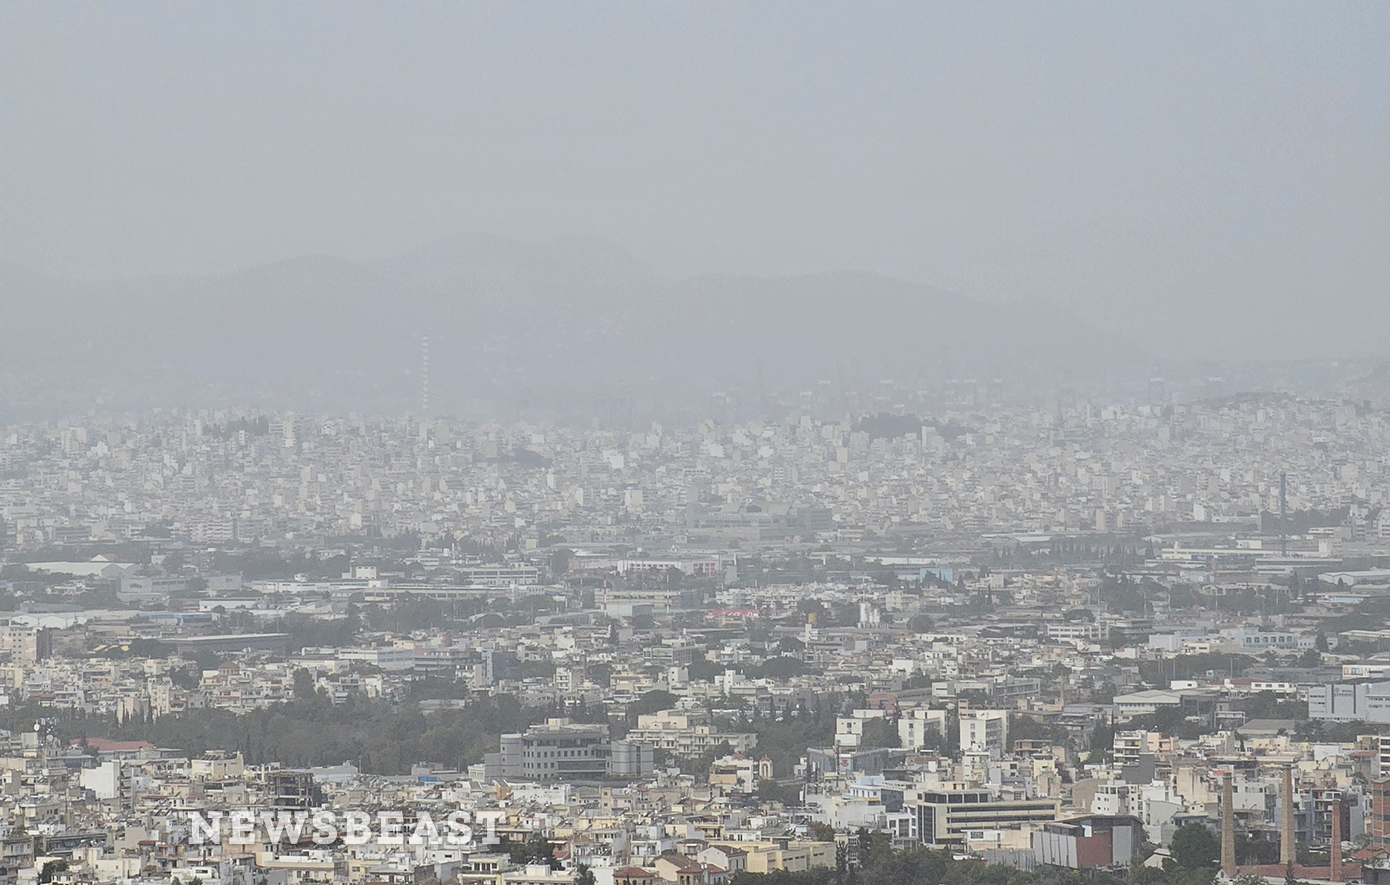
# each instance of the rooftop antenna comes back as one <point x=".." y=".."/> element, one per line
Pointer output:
<point x="1283" y="514"/>
<point x="425" y="375"/>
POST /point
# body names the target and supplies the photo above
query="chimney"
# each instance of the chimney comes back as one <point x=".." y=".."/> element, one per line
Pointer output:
<point x="1336" y="875"/>
<point x="1286" y="846"/>
<point x="1228" y="828"/>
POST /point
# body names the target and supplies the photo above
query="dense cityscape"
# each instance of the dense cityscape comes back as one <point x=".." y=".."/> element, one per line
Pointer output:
<point x="694" y="443"/>
<point x="1041" y="636"/>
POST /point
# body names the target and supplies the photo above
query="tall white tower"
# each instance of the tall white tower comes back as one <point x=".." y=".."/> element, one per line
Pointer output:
<point x="425" y="375"/>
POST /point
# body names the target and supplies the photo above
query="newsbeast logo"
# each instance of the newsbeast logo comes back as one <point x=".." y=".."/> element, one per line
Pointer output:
<point x="250" y="827"/>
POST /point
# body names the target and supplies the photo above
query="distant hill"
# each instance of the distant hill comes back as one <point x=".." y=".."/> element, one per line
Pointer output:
<point x="506" y="320"/>
<point x="1372" y="387"/>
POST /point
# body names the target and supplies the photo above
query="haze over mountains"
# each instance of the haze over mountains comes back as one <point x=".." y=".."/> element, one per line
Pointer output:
<point x="538" y="323"/>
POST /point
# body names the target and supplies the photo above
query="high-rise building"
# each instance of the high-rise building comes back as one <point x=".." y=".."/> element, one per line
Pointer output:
<point x="565" y="750"/>
<point x="945" y="816"/>
<point x="1378" y="827"/>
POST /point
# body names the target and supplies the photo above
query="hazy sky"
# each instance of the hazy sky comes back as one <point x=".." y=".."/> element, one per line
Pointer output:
<point x="1124" y="158"/>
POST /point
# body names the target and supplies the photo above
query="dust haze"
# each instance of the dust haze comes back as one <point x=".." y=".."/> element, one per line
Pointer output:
<point x="1191" y="189"/>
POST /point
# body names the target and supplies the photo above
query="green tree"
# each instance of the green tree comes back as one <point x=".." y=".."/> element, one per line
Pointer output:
<point x="653" y="701"/>
<point x="1142" y="875"/>
<point x="788" y="794"/>
<point x="1194" y="846"/>
<point x="560" y="563"/>
<point x="304" y="688"/>
<point x="920" y="624"/>
<point x="702" y="669"/>
<point x="1102" y="741"/>
<point x="782" y="667"/>
<point x="881" y="733"/>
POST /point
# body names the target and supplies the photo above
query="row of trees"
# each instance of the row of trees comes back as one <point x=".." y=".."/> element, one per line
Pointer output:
<point x="868" y="859"/>
<point x="379" y="737"/>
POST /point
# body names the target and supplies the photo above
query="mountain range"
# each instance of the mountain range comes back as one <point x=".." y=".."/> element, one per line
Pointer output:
<point x="509" y="321"/>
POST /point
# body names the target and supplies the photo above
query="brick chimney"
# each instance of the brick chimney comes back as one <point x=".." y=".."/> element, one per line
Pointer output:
<point x="1286" y="844"/>
<point x="1228" y="828"/>
<point x="1337" y="839"/>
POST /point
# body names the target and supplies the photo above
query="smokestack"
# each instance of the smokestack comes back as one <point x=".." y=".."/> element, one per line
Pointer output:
<point x="1228" y="828"/>
<point x="425" y="375"/>
<point x="1336" y="875"/>
<point x="1283" y="514"/>
<point x="1286" y="846"/>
